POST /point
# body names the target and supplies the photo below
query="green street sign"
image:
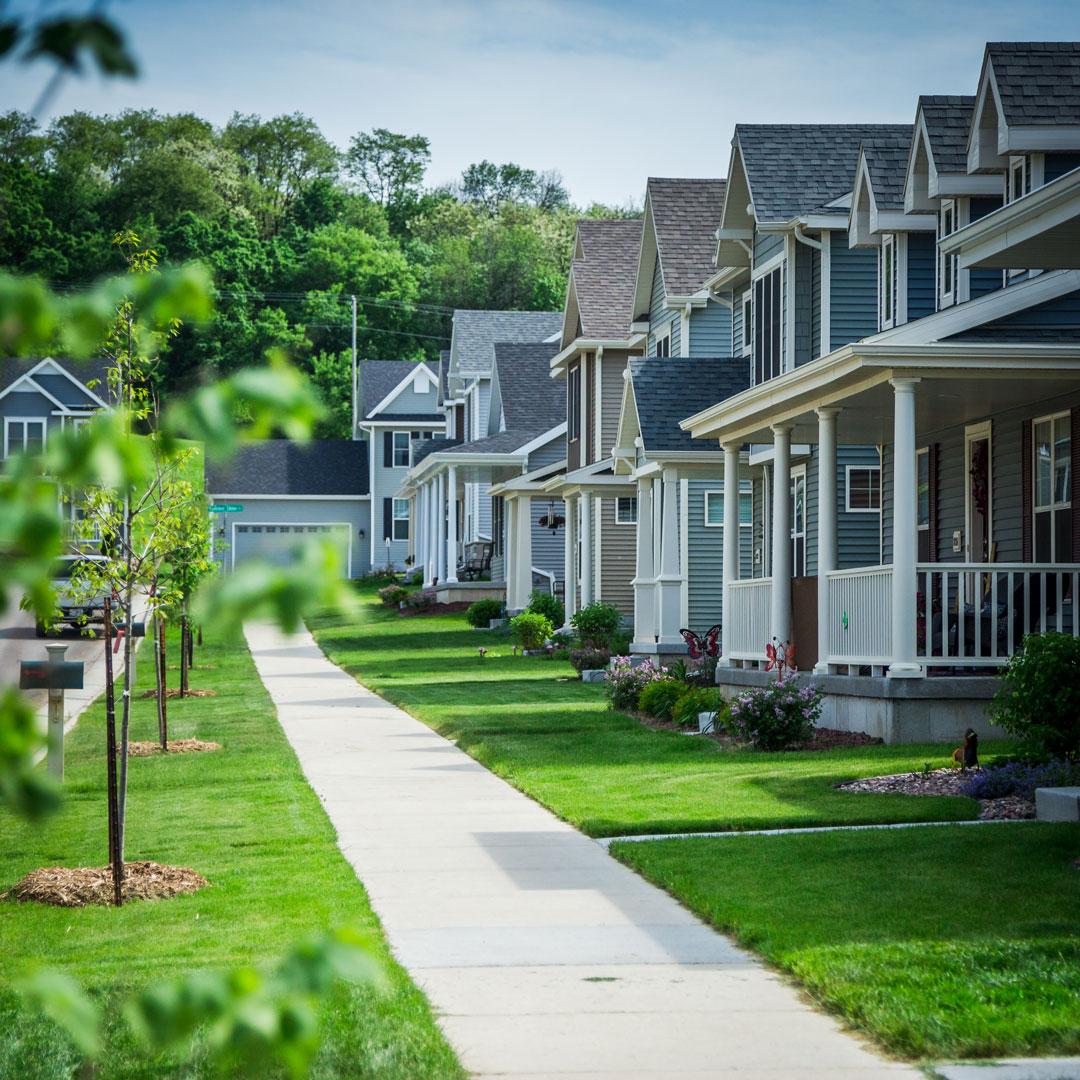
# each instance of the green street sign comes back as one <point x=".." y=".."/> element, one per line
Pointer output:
<point x="226" y="508"/>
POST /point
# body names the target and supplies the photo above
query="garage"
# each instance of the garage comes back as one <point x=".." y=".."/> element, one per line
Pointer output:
<point x="278" y="543"/>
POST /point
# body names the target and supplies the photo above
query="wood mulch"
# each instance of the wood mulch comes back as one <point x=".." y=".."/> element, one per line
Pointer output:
<point x="456" y="608"/>
<point x="174" y="692"/>
<point x="193" y="667"/>
<point x="176" y="746"/>
<point x="821" y="739"/>
<point x="942" y="782"/>
<point x="63" y="886"/>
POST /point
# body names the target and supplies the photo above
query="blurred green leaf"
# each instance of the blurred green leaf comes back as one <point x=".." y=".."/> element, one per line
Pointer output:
<point x="62" y="999"/>
<point x="66" y="39"/>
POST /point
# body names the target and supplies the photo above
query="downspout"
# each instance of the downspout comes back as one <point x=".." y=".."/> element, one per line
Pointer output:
<point x="803" y="238"/>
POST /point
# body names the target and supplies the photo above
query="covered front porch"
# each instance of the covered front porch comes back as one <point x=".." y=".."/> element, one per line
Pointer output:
<point x="976" y="551"/>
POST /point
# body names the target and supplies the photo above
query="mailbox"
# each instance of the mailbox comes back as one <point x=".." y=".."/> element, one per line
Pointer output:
<point x="45" y="675"/>
<point x="138" y="629"/>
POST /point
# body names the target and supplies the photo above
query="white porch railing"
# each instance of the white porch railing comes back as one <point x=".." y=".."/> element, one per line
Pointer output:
<point x="860" y="616"/>
<point x="747" y="623"/>
<point x="976" y="614"/>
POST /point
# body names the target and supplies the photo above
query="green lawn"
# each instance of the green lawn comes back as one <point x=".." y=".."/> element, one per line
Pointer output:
<point x="941" y="943"/>
<point x="604" y="772"/>
<point x="247" y="820"/>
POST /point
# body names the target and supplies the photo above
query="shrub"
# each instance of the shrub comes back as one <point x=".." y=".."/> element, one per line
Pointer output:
<point x="547" y="605"/>
<point x="699" y="699"/>
<point x="660" y="697"/>
<point x="559" y="653"/>
<point x="589" y="659"/>
<point x="385" y="575"/>
<point x="417" y="578"/>
<point x="482" y="612"/>
<point x="596" y="624"/>
<point x="530" y="630"/>
<point x="1039" y="698"/>
<point x="624" y="682"/>
<point x="774" y="716"/>
<point x="392" y="595"/>
<point x="1021" y="778"/>
<point x="425" y="598"/>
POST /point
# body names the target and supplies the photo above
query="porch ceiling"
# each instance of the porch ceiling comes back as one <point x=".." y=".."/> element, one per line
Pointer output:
<point x="957" y="385"/>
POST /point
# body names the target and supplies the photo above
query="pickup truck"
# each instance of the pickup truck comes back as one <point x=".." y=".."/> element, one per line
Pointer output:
<point x="76" y="611"/>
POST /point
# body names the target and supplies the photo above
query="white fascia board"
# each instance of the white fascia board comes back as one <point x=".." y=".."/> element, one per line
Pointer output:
<point x="408" y="380"/>
<point x="726" y="277"/>
<point x="987" y="89"/>
<point x="1029" y="215"/>
<point x="401" y="424"/>
<point x="896" y="221"/>
<point x="960" y="185"/>
<point x="735" y="234"/>
<point x="766" y="456"/>
<point x="1028" y="138"/>
<point x="815" y="221"/>
<point x="859" y="223"/>
<point x="59" y="369"/>
<point x="542" y="440"/>
<point x="34" y="388"/>
<point x="286" y="498"/>
<point x="920" y="139"/>
<point x="559" y="361"/>
<point x="648" y="255"/>
<point x="681" y="303"/>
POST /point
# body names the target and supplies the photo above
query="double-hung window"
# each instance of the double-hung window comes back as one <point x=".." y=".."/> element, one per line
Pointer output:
<point x="887" y="282"/>
<point x="24" y="433"/>
<point x="401" y="449"/>
<point x="401" y="519"/>
<point x="626" y="510"/>
<point x="663" y="341"/>
<point x="1052" y="444"/>
<point x="768" y="326"/>
<point x="947" y="264"/>
<point x="714" y="507"/>
<point x="573" y="404"/>
<point x="922" y="502"/>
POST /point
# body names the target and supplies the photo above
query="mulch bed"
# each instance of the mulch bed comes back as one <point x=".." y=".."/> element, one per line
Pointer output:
<point x="62" y="886"/>
<point x="821" y="739"/>
<point x="174" y="692"/>
<point x="193" y="667"/>
<point x="456" y="608"/>
<point x="176" y="746"/>
<point x="942" y="782"/>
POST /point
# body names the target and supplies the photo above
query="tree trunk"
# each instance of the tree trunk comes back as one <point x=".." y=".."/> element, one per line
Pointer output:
<point x="115" y="860"/>
<point x="184" y="656"/>
<point x="162" y="684"/>
<point x="125" y="722"/>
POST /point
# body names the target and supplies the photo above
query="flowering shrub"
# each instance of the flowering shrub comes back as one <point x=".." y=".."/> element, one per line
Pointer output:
<point x="1021" y="778"/>
<point x="425" y="598"/>
<point x="392" y="595"/>
<point x="774" y="716"/>
<point x="530" y="630"/>
<point x="385" y="574"/>
<point x="623" y="682"/>
<point x="661" y="696"/>
<point x="589" y="659"/>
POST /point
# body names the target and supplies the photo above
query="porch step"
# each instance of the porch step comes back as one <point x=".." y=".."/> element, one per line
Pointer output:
<point x="1057" y="803"/>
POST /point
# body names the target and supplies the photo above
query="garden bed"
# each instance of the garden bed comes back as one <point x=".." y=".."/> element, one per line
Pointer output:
<point x="942" y="782"/>
<point x="176" y="746"/>
<point x="61" y="886"/>
<point x="174" y="692"/>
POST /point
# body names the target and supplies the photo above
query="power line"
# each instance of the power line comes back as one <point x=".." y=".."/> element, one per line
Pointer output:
<point x="344" y="326"/>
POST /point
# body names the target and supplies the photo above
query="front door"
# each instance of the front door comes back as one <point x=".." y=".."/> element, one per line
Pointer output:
<point x="979" y="531"/>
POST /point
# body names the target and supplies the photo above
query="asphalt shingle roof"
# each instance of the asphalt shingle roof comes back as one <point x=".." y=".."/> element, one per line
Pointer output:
<point x="667" y="390"/>
<point x="1038" y="81"/>
<point x="794" y="169"/>
<point x="85" y="371"/>
<point x="283" y="467"/>
<point x="421" y="449"/>
<point x="604" y="278"/>
<point x="948" y="121"/>
<point x="475" y="332"/>
<point x="686" y="214"/>
<point x="377" y="378"/>
<point x="886" y="161"/>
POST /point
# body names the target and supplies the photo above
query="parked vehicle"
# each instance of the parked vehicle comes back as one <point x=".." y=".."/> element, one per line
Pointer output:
<point x="73" y="609"/>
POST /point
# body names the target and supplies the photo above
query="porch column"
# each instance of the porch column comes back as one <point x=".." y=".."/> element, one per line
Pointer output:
<point x="645" y="577"/>
<point x="586" y="550"/>
<point x="781" y="536"/>
<point x="519" y="575"/>
<point x="420" y="531"/>
<point x="905" y="534"/>
<point x="451" y="526"/>
<point x="569" y="543"/>
<point x="826" y="558"/>
<point x="440" y="527"/>
<point x="669" y="580"/>
<point x="429" y="532"/>
<point x="731" y="532"/>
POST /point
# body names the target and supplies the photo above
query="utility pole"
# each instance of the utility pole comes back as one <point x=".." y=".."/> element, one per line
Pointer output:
<point x="353" y="432"/>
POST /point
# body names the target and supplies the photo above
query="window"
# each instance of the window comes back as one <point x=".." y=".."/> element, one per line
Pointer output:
<point x="922" y="502"/>
<point x="401" y="449"/>
<point x="798" y="522"/>
<point x="768" y="342"/>
<point x="573" y="404"/>
<point x="947" y="264"/>
<point x="714" y="507"/>
<point x="401" y="519"/>
<point x="663" y="341"/>
<point x="887" y="282"/>
<point x="1019" y="181"/>
<point x="24" y="434"/>
<point x="498" y="524"/>
<point x="1053" y="488"/>
<point x="864" y="489"/>
<point x="747" y="322"/>
<point x="626" y="511"/>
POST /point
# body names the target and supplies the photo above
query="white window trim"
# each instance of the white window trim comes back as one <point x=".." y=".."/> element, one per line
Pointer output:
<point x="394" y="449"/>
<point x="947" y="299"/>
<point x="745" y="488"/>
<point x="776" y="262"/>
<point x="394" y="519"/>
<point x="973" y="433"/>
<point x="889" y="245"/>
<point x="1051" y="507"/>
<point x="923" y="451"/>
<point x="620" y="499"/>
<point x="798" y="472"/>
<point x="848" y="470"/>
<point x="747" y="302"/>
<point x="663" y="334"/>
<point x="8" y="420"/>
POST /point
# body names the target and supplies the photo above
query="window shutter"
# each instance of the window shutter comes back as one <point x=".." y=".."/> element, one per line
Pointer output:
<point x="931" y="495"/>
<point x="388" y="448"/>
<point x="1074" y="495"/>
<point x="1026" y="492"/>
<point x="387" y="518"/>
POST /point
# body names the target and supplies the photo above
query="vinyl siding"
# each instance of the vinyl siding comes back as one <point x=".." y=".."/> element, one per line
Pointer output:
<point x="1055" y="165"/>
<point x="921" y="285"/>
<point x="815" y="304"/>
<point x="617" y="557"/>
<point x="611" y="392"/>
<point x="659" y="316"/>
<point x="853" y="304"/>
<point x="982" y="281"/>
<point x="857" y="535"/>
<point x="410" y="402"/>
<point x="28" y="403"/>
<point x="386" y="481"/>
<point x="547" y="454"/>
<point x="801" y="284"/>
<point x="710" y="330"/>
<point x="766" y="246"/>
<point x="547" y="547"/>
<point x="737" y="328"/>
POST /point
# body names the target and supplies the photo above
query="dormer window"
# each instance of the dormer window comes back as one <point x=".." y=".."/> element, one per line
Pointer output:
<point x="663" y="341"/>
<point x="887" y="282"/>
<point x="747" y="322"/>
<point x="947" y="264"/>
<point x="1019" y="180"/>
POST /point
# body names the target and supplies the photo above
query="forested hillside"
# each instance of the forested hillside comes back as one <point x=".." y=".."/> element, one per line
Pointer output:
<point x="290" y="226"/>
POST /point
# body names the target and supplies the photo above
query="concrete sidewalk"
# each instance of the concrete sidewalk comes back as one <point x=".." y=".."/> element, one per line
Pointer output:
<point x="543" y="956"/>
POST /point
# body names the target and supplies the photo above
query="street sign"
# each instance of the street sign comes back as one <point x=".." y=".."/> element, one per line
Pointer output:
<point x="45" y="675"/>
<point x="226" y="508"/>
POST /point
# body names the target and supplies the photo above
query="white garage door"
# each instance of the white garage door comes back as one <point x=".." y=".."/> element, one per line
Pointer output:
<point x="278" y="543"/>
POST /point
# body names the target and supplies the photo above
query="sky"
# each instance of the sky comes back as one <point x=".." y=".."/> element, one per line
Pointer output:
<point x="608" y="92"/>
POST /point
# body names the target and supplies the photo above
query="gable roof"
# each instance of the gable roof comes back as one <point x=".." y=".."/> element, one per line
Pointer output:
<point x="601" y="284"/>
<point x="378" y="379"/>
<point x="886" y="162"/>
<point x="1038" y="82"/>
<point x="794" y="169"/>
<point x="284" y="467"/>
<point x="947" y="120"/>
<point x="60" y="379"/>
<point x="668" y="390"/>
<point x="685" y="216"/>
<point x="475" y="332"/>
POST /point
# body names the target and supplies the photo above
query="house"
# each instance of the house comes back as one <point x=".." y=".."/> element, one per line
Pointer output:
<point x="276" y="493"/>
<point x="399" y="401"/>
<point x="975" y="405"/>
